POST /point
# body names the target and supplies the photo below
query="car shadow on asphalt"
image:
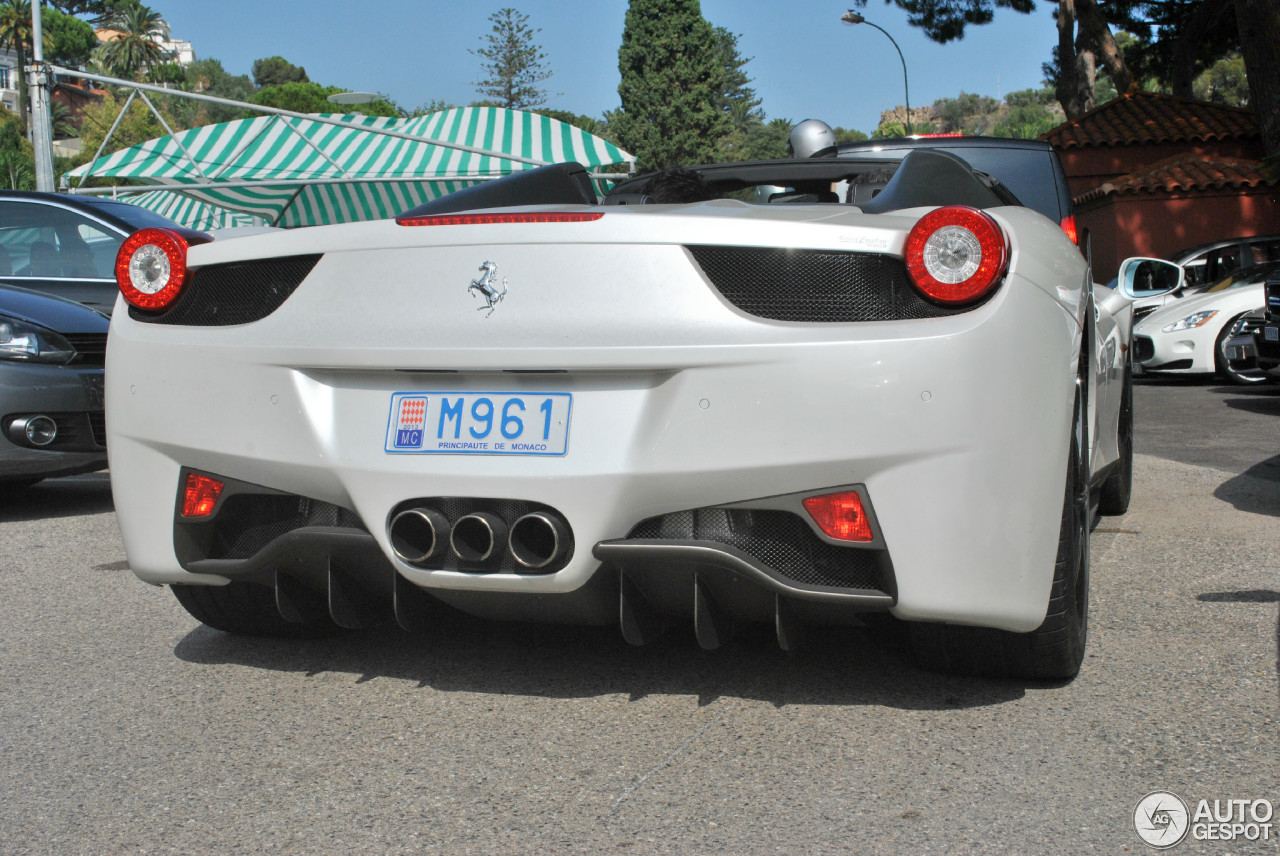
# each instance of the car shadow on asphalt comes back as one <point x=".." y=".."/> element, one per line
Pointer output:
<point x="1263" y="401"/>
<point x="838" y="666"/>
<point x="71" y="496"/>
<point x="1256" y="490"/>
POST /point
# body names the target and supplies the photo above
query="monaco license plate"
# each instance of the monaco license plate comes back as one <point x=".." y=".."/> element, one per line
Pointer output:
<point x="1271" y="334"/>
<point x="479" y="423"/>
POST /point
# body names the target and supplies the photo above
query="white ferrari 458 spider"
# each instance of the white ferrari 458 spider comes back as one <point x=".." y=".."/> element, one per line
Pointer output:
<point x="522" y="403"/>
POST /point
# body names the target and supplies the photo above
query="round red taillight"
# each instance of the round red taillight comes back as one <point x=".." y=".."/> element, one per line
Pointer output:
<point x="956" y="254"/>
<point x="151" y="268"/>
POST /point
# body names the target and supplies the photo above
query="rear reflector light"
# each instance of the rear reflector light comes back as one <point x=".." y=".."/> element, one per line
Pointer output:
<point x="200" y="495"/>
<point x="956" y="254"/>
<point x="1068" y="225"/>
<point x="840" y="516"/>
<point x="151" y="267"/>
<point x="482" y="219"/>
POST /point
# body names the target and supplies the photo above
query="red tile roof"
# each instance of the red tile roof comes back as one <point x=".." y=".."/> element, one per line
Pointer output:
<point x="1151" y="117"/>
<point x="1191" y="172"/>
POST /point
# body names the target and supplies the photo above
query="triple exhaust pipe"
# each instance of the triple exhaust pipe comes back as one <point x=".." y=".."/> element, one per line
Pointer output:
<point x="420" y="536"/>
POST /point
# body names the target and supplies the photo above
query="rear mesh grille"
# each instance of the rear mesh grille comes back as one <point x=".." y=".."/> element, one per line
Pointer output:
<point x="236" y="293"/>
<point x="815" y="285"/>
<point x="777" y="539"/>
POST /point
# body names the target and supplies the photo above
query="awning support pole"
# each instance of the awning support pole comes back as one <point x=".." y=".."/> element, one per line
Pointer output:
<point x="173" y="136"/>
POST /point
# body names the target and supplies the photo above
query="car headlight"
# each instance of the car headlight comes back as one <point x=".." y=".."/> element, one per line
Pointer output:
<point x="1190" y="322"/>
<point x="29" y="343"/>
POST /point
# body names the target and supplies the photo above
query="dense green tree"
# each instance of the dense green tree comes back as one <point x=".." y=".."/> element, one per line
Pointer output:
<point x="1259" y="23"/>
<point x="672" y="82"/>
<point x="849" y="135"/>
<point x="768" y="140"/>
<point x="313" y="98"/>
<point x="577" y="120"/>
<point x="966" y="114"/>
<point x="1177" y="40"/>
<point x="1224" y="82"/>
<point x="63" y="121"/>
<point x="736" y="84"/>
<point x="1172" y="41"/>
<point x="208" y="77"/>
<point x="17" y="159"/>
<point x="15" y="34"/>
<point x="136" y="50"/>
<point x="275" y="70"/>
<point x="737" y="99"/>
<point x="98" y="10"/>
<point x="1024" y="122"/>
<point x="73" y="39"/>
<point x="138" y="125"/>
<point x="512" y="63"/>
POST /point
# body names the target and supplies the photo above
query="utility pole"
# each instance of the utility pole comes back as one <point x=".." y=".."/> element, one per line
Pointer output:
<point x="38" y="83"/>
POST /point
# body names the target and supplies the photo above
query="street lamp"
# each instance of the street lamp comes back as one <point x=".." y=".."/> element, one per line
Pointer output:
<point x="352" y="97"/>
<point x="851" y="18"/>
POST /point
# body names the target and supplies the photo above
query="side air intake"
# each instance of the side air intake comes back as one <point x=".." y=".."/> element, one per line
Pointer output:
<point x="815" y="285"/>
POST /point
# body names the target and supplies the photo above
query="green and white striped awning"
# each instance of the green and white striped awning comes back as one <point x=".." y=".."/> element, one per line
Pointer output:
<point x="298" y="172"/>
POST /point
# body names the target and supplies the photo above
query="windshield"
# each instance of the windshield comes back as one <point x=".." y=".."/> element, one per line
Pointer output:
<point x="1244" y="276"/>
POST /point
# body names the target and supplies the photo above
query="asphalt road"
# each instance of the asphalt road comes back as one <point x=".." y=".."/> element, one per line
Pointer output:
<point x="126" y="727"/>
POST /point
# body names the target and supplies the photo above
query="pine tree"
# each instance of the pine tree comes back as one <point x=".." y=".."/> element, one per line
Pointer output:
<point x="673" y="85"/>
<point x="513" y="63"/>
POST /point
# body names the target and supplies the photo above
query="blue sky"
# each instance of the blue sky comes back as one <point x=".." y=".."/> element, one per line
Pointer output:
<point x="804" y="64"/>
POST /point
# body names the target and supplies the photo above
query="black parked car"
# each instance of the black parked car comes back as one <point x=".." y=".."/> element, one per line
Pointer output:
<point x="66" y="245"/>
<point x="1266" y="338"/>
<point x="51" y="365"/>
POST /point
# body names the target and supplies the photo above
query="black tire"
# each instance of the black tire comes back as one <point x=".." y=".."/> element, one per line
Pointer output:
<point x="1118" y="488"/>
<point x="1222" y="365"/>
<point x="1055" y="649"/>
<point x="246" y="609"/>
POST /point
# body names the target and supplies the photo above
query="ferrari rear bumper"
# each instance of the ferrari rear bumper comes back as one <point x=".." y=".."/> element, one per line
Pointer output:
<point x="957" y="428"/>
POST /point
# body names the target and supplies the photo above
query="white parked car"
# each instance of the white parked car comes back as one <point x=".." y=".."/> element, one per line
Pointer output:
<point x="1190" y="336"/>
<point x="791" y="413"/>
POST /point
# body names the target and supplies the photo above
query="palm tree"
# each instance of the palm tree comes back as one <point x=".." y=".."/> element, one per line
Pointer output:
<point x="15" y="34"/>
<point x="137" y="47"/>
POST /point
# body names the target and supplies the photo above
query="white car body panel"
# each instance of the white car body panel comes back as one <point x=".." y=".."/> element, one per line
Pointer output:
<point x="958" y="427"/>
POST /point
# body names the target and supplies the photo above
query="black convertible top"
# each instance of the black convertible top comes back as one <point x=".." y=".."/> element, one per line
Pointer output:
<point x="923" y="178"/>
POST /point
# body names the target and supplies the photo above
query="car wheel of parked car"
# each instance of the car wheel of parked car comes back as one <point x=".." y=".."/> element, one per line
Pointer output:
<point x="248" y="609"/>
<point x="1223" y="366"/>
<point x="1055" y="649"/>
<point x="1118" y="488"/>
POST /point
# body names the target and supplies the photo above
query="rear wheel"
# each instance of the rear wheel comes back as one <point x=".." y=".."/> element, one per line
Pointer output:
<point x="247" y="609"/>
<point x="1223" y="366"/>
<point x="1055" y="649"/>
